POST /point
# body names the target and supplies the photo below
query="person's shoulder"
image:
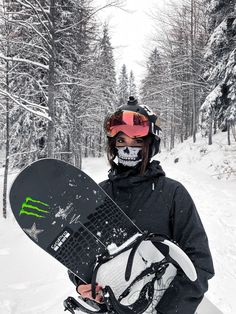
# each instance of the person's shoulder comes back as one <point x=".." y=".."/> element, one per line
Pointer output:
<point x="172" y="183"/>
<point x="177" y="188"/>
<point x="104" y="183"/>
<point x="106" y="186"/>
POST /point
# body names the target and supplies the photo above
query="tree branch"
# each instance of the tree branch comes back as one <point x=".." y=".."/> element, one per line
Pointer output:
<point x="13" y="59"/>
<point x="111" y="4"/>
<point x="37" y="113"/>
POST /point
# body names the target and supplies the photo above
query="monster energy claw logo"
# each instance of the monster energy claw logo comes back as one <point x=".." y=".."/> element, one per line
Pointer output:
<point x="34" y="208"/>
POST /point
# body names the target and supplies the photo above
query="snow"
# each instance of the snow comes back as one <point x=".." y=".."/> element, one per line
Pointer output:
<point x="218" y="37"/>
<point x="210" y="100"/>
<point x="32" y="282"/>
<point x="113" y="248"/>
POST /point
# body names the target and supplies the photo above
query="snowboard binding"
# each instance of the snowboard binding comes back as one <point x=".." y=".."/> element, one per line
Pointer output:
<point x="148" y="277"/>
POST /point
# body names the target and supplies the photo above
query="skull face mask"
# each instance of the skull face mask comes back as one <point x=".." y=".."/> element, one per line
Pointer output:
<point x="129" y="156"/>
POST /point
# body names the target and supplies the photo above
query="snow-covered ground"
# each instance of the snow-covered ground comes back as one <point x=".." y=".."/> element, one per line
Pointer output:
<point x="32" y="282"/>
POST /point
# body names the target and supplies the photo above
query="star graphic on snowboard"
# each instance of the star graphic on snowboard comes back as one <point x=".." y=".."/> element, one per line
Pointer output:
<point x="33" y="232"/>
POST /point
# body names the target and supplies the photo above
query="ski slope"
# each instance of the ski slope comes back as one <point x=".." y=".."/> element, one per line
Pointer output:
<point x="31" y="282"/>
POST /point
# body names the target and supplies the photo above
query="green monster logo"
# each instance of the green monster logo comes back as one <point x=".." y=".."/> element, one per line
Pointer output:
<point x="33" y="208"/>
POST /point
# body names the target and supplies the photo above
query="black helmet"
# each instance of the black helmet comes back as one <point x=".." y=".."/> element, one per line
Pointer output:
<point x="153" y="122"/>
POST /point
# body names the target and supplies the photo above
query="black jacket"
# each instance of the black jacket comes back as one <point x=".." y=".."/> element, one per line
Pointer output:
<point x="162" y="205"/>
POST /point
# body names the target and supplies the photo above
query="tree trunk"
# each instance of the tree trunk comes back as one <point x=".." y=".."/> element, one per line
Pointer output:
<point x="192" y="72"/>
<point x="228" y="132"/>
<point x="233" y="131"/>
<point x="86" y="146"/>
<point x="182" y="117"/>
<point x="215" y="126"/>
<point x="172" y="134"/>
<point x="7" y="147"/>
<point x="92" y="145"/>
<point x="172" y="127"/>
<point x="7" y="142"/>
<point x="51" y="85"/>
<point x="210" y="129"/>
<point x="68" y="149"/>
<point x="100" y="145"/>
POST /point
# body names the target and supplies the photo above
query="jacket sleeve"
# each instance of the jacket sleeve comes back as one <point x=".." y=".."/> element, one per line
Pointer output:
<point x="184" y="296"/>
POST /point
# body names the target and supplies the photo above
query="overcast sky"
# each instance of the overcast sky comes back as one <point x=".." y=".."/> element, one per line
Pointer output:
<point x="131" y="32"/>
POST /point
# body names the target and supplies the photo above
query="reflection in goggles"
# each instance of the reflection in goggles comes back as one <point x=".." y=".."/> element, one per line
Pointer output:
<point x="131" y="123"/>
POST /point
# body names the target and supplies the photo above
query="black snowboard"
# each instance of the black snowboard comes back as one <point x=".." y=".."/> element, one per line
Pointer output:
<point x="67" y="214"/>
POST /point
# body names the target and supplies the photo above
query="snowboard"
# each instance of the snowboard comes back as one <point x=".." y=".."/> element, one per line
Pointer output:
<point x="69" y="216"/>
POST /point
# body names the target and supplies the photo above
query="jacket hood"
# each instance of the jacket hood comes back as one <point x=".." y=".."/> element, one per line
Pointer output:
<point x="132" y="176"/>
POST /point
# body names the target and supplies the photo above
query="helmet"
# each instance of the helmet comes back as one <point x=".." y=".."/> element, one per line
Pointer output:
<point x="136" y="121"/>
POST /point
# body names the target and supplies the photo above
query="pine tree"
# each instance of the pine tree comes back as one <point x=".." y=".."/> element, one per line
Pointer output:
<point x="152" y="84"/>
<point x="123" y="93"/>
<point x="132" y="89"/>
<point x="219" y="109"/>
<point x="104" y="96"/>
<point x="79" y="84"/>
<point x="107" y="73"/>
<point x="154" y="94"/>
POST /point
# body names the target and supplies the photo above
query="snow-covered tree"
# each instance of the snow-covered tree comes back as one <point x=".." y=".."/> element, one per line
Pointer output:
<point x="104" y="96"/>
<point x="107" y="73"/>
<point x="219" y="108"/>
<point x="132" y="88"/>
<point x="123" y="92"/>
<point x="180" y="37"/>
<point x="52" y="53"/>
<point x="152" y="84"/>
<point x="48" y="77"/>
<point x="79" y="84"/>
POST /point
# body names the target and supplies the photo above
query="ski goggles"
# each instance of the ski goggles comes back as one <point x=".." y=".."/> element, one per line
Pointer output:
<point x="131" y="123"/>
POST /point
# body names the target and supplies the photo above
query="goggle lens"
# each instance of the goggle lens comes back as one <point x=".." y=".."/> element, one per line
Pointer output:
<point x="131" y="123"/>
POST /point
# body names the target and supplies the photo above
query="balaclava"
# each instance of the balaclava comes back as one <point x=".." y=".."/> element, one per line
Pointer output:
<point x="129" y="156"/>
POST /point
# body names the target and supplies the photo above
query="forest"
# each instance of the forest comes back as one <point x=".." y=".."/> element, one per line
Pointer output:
<point x="59" y="79"/>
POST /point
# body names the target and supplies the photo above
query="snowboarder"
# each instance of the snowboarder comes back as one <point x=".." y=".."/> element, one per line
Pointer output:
<point x="154" y="202"/>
